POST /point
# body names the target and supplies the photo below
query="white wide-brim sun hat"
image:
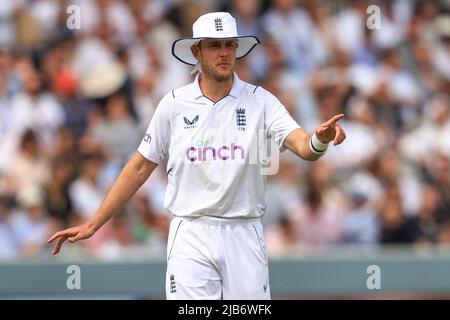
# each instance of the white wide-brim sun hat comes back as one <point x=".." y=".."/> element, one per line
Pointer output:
<point x="214" y="25"/>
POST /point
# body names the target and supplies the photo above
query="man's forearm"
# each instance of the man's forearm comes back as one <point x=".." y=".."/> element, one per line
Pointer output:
<point x="312" y="146"/>
<point x="298" y="142"/>
<point x="133" y="175"/>
<point x="305" y="151"/>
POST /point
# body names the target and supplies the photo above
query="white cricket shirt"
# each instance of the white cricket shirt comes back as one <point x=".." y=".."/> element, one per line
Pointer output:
<point x="211" y="149"/>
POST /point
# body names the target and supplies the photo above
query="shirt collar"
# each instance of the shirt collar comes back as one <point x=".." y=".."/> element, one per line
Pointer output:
<point x="238" y="86"/>
<point x="196" y="91"/>
<point x="235" y="92"/>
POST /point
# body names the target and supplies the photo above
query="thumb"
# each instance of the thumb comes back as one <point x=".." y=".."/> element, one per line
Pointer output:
<point x="74" y="239"/>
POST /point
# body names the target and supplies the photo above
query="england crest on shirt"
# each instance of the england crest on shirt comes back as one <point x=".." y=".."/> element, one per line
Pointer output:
<point x="241" y="119"/>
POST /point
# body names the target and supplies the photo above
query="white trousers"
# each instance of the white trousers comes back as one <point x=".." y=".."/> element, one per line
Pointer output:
<point x="214" y="258"/>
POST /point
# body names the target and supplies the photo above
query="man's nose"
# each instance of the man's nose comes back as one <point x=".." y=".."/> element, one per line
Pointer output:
<point x="224" y="51"/>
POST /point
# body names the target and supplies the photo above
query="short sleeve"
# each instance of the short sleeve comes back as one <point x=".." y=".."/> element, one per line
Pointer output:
<point x="155" y="143"/>
<point x="278" y="121"/>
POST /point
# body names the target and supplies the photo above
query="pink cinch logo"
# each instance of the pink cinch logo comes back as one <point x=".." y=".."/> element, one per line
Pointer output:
<point x="147" y="138"/>
<point x="231" y="152"/>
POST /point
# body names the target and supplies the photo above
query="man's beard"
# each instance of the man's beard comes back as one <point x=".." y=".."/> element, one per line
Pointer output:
<point x="215" y="75"/>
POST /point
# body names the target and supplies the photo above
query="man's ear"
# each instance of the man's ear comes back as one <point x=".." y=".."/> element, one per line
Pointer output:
<point x="195" y="49"/>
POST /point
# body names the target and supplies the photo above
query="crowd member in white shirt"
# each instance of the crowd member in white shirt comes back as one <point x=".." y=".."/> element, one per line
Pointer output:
<point x="215" y="191"/>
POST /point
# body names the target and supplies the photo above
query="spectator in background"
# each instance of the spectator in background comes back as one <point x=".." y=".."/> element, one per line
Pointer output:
<point x="30" y="166"/>
<point x="149" y="226"/>
<point x="66" y="149"/>
<point x="294" y="28"/>
<point x="9" y="243"/>
<point x="361" y="224"/>
<point x="119" y="240"/>
<point x="323" y="44"/>
<point x="318" y="177"/>
<point x="366" y="136"/>
<point x="444" y="236"/>
<point x="438" y="174"/>
<point x="396" y="227"/>
<point x="349" y="26"/>
<point x="424" y="70"/>
<point x="56" y="191"/>
<point x="75" y="108"/>
<point x="419" y="143"/>
<point x="7" y="86"/>
<point x="36" y="109"/>
<point x="427" y="219"/>
<point x="116" y="131"/>
<point x="272" y="60"/>
<point x="314" y="223"/>
<point x="282" y="192"/>
<point x="394" y="19"/>
<point x="390" y="169"/>
<point x="441" y="54"/>
<point x="247" y="14"/>
<point x="282" y="239"/>
<point x="32" y="223"/>
<point x="143" y="98"/>
<point x="85" y="192"/>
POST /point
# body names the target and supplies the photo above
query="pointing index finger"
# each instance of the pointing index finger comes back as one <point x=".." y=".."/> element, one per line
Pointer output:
<point x="333" y="120"/>
<point x="58" y="234"/>
<point x="53" y="237"/>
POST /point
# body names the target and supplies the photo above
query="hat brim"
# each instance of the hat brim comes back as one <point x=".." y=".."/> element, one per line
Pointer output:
<point x="181" y="48"/>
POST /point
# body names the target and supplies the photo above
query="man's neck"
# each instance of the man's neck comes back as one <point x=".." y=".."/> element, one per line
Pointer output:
<point x="213" y="89"/>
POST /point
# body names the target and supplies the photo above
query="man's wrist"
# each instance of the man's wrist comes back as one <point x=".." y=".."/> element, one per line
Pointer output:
<point x="93" y="225"/>
<point x="317" y="146"/>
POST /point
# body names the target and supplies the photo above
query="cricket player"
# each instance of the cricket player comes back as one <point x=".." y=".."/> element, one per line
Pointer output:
<point x="206" y="132"/>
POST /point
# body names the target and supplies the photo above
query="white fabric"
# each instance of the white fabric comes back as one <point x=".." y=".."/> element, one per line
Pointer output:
<point x="207" y="260"/>
<point x="216" y="25"/>
<point x="212" y="164"/>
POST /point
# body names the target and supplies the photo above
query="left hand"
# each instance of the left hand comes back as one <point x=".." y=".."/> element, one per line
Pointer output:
<point x="331" y="131"/>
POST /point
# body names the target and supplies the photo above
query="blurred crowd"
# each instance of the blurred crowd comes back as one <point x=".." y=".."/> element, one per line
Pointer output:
<point x="75" y="103"/>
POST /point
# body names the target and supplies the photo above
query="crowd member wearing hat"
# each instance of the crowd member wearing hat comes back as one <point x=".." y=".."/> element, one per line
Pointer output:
<point x="206" y="132"/>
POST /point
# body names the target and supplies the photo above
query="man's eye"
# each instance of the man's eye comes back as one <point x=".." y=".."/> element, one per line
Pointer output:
<point x="213" y="45"/>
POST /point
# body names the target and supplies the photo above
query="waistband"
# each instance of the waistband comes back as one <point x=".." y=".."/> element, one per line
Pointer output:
<point x="220" y="222"/>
